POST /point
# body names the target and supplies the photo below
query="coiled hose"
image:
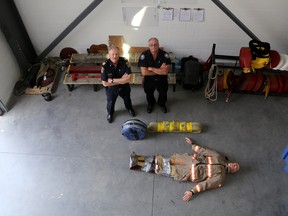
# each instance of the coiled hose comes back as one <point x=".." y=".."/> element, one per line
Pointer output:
<point x="211" y="87"/>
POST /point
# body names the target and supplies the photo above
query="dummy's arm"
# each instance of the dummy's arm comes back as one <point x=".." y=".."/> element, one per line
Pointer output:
<point x="199" y="149"/>
<point x="210" y="183"/>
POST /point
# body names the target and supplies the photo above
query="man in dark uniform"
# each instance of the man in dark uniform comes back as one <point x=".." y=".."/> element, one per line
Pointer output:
<point x="154" y="64"/>
<point x="115" y="76"/>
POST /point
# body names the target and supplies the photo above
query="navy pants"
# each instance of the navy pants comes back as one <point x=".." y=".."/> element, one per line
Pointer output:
<point x="112" y="95"/>
<point x="159" y="83"/>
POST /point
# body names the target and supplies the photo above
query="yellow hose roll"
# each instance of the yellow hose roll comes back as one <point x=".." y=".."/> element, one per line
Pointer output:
<point x="182" y="126"/>
<point x="175" y="126"/>
<point x="196" y="127"/>
<point x="189" y="126"/>
<point x="166" y="126"/>
<point x="159" y="127"/>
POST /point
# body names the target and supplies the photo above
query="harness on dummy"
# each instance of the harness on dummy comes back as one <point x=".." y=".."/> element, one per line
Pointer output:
<point x="150" y="164"/>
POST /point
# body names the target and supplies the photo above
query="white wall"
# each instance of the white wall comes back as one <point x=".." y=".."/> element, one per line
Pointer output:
<point x="9" y="70"/>
<point x="45" y="20"/>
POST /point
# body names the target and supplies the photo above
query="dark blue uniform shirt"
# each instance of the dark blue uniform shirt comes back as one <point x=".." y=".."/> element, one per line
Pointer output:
<point x="110" y="71"/>
<point x="146" y="59"/>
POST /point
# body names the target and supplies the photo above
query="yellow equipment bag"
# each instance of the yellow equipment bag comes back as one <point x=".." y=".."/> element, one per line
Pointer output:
<point x="260" y="54"/>
<point x="259" y="63"/>
<point x="175" y="126"/>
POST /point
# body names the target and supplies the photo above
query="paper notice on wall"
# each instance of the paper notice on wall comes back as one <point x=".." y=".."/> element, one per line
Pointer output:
<point x="198" y="14"/>
<point x="167" y="13"/>
<point x="185" y="14"/>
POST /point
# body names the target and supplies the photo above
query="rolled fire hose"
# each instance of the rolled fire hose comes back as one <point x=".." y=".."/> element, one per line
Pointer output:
<point x="175" y="126"/>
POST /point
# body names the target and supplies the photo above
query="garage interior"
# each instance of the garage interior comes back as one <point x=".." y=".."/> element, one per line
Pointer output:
<point x="62" y="157"/>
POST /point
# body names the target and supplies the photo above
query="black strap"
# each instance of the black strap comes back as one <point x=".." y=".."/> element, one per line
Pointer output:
<point x="259" y="49"/>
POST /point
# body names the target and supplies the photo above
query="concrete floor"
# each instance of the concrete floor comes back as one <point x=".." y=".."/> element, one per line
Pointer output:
<point x="62" y="158"/>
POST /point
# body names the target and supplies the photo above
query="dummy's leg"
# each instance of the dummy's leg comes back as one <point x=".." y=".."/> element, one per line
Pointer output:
<point x="136" y="160"/>
<point x="151" y="164"/>
<point x="142" y="163"/>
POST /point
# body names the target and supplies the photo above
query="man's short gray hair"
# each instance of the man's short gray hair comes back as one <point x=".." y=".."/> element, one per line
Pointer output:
<point x="154" y="38"/>
<point x="113" y="47"/>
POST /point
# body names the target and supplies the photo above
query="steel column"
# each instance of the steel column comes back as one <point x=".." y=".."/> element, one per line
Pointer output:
<point x="16" y="35"/>
<point x="235" y="19"/>
<point x="3" y="108"/>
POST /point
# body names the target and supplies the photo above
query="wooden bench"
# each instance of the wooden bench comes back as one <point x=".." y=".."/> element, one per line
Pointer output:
<point x="85" y="69"/>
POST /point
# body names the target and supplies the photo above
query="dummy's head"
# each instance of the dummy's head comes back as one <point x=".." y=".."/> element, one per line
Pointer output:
<point x="233" y="167"/>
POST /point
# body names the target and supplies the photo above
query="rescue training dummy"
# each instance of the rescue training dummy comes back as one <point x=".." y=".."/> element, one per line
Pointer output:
<point x="207" y="167"/>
